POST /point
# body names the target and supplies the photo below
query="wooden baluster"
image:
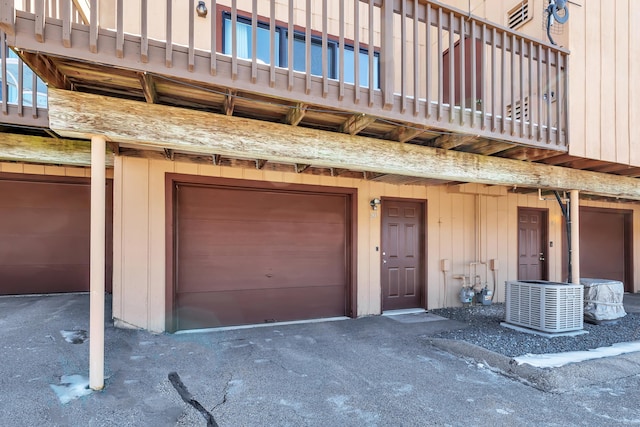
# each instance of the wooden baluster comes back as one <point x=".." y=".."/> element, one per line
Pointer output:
<point x="307" y="48"/>
<point x="565" y="98"/>
<point x="483" y="84"/>
<point x="254" y="42"/>
<point x="272" y="43"/>
<point x="66" y="23"/>
<point x="416" y="60"/>
<point x="372" y="92"/>
<point x="234" y="40"/>
<point x="548" y="86"/>
<point x="386" y="54"/>
<point x="169" y="36"/>
<point x="427" y="20"/>
<point x="494" y="83"/>
<point x="463" y="74"/>
<point x="531" y="117"/>
<point x="214" y="39"/>
<point x="93" y="26"/>
<point x="474" y="73"/>
<point x="513" y="84"/>
<point x="325" y="50"/>
<point x="290" y="47"/>
<point x="119" y="29"/>
<point x="440" y="66"/>
<point x="341" y="52"/>
<point x="452" y="70"/>
<point x="144" y="37"/>
<point x="5" y="88"/>
<point x="403" y="56"/>
<point x="40" y="20"/>
<point x="559" y="91"/>
<point x="356" y="52"/>
<point x="191" y="48"/>
<point x="503" y="81"/>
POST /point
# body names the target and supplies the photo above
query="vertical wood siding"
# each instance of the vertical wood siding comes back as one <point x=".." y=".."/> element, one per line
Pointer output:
<point x="478" y="225"/>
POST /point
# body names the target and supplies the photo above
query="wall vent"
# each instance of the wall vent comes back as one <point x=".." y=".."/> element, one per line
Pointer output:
<point x="545" y="306"/>
<point x="521" y="110"/>
<point x="519" y="15"/>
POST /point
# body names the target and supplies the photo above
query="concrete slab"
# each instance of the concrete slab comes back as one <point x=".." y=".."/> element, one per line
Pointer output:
<point x="372" y="371"/>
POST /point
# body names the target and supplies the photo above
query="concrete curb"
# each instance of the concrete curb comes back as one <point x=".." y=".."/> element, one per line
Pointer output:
<point x="553" y="380"/>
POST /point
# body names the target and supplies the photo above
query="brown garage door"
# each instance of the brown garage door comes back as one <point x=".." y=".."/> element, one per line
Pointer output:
<point x="605" y="244"/>
<point x="247" y="256"/>
<point x="44" y="235"/>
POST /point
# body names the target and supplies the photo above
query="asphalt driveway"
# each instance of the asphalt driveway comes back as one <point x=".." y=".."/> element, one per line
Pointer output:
<point x="375" y="371"/>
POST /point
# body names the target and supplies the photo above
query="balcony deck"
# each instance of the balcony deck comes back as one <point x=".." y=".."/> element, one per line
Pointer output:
<point x="503" y="95"/>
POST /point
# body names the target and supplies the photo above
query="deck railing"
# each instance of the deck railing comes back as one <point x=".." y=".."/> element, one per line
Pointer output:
<point x="23" y="95"/>
<point x="414" y="61"/>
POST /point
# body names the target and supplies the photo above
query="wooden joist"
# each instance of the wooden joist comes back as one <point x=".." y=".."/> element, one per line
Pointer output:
<point x="296" y="114"/>
<point x="81" y="115"/>
<point x="301" y="167"/>
<point x="148" y="88"/>
<point x="356" y="123"/>
<point x="403" y="133"/>
<point x="229" y="102"/>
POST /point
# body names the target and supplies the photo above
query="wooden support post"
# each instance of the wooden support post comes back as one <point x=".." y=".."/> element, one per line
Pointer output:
<point x="575" y="236"/>
<point x="97" y="269"/>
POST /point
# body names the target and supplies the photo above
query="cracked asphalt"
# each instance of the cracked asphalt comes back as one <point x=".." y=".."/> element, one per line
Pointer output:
<point x="374" y="371"/>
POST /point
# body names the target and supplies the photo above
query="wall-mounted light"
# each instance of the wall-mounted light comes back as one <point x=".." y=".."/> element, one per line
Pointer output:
<point x="201" y="9"/>
<point x="374" y="204"/>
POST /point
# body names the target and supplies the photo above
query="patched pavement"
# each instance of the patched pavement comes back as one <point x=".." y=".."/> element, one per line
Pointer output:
<point x="374" y="371"/>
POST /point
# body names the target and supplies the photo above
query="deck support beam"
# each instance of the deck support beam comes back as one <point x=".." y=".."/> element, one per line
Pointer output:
<point x="81" y="115"/>
<point x="97" y="266"/>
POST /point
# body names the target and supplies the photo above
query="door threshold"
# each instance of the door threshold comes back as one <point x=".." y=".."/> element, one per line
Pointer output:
<point x="403" y="311"/>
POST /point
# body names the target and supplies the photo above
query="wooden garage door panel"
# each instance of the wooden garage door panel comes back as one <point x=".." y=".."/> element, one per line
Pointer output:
<point x="252" y="246"/>
<point x="212" y="309"/>
<point x="602" y="245"/>
<point x="43" y="279"/>
<point x="44" y="235"/>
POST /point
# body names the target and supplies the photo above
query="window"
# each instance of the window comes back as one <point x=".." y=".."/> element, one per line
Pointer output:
<point x="245" y="51"/>
<point x="13" y="63"/>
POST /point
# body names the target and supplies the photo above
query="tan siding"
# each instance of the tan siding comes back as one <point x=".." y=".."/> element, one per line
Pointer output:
<point x="460" y="227"/>
<point x="604" y="115"/>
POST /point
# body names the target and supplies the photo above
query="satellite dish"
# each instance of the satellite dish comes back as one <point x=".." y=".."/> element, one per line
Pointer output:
<point x="558" y="11"/>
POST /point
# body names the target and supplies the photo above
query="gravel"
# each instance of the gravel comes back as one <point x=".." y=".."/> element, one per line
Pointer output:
<point x="482" y="328"/>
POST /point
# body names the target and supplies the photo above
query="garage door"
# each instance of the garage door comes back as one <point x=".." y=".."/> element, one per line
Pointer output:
<point x="605" y="245"/>
<point x="246" y="256"/>
<point x="44" y="236"/>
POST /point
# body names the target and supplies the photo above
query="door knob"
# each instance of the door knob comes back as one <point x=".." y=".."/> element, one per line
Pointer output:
<point x="384" y="261"/>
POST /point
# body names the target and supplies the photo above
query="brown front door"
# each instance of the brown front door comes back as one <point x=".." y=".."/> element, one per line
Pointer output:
<point x="532" y="244"/>
<point x="402" y="254"/>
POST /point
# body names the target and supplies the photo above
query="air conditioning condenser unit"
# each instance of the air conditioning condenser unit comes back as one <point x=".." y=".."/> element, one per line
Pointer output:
<point x="545" y="306"/>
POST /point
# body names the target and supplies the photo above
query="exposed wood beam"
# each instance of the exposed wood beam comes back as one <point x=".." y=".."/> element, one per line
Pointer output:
<point x="230" y="102"/>
<point x="356" y="123"/>
<point x="558" y="160"/>
<point x="610" y="168"/>
<point x="76" y="114"/>
<point x="373" y="176"/>
<point x="38" y="149"/>
<point x="168" y="153"/>
<point x="337" y="171"/>
<point x="296" y="114"/>
<point x="46" y="69"/>
<point x="403" y="133"/>
<point x="216" y="159"/>
<point x="301" y="167"/>
<point x="260" y="163"/>
<point x="148" y="85"/>
<point x="114" y="147"/>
